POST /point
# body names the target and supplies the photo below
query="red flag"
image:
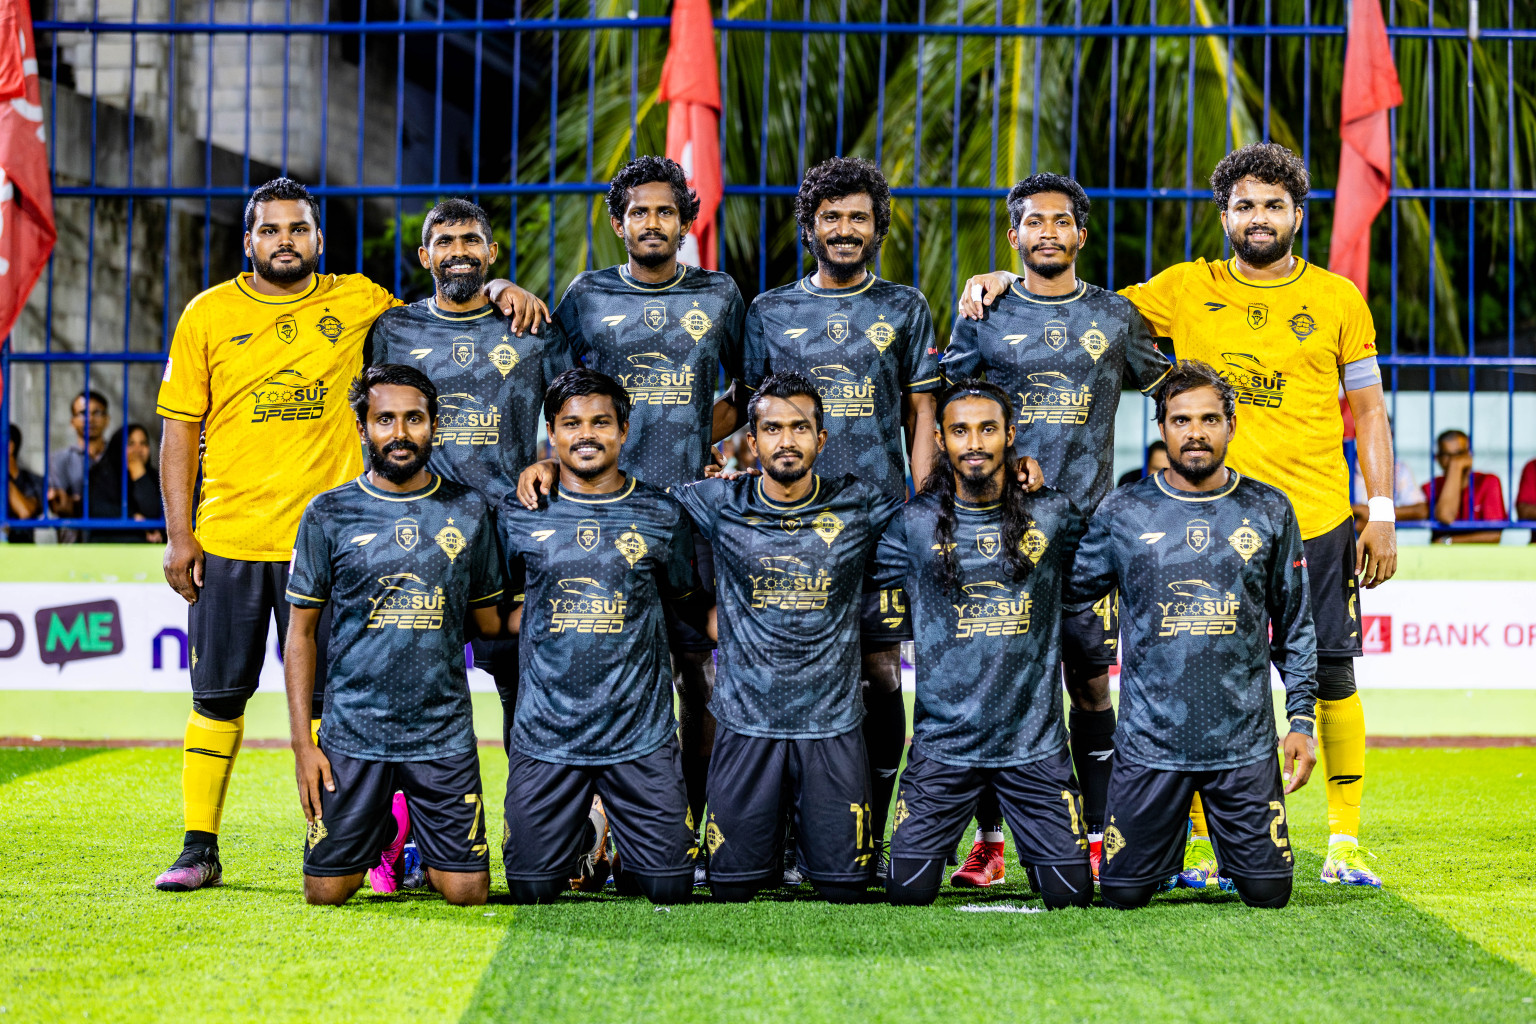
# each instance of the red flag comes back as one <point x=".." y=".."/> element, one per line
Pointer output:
<point x="27" y="231"/>
<point x="1365" y="161"/>
<point x="690" y="82"/>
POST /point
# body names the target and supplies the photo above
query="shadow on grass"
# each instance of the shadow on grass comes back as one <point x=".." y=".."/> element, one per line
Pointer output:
<point x="18" y="761"/>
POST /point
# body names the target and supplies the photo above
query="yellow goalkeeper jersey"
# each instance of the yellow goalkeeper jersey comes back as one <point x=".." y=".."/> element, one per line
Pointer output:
<point x="268" y="376"/>
<point x="1281" y="344"/>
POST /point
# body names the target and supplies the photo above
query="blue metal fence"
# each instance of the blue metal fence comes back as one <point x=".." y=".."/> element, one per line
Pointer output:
<point x="525" y="105"/>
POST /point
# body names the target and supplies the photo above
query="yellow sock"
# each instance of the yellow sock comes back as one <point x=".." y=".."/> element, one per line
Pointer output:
<point x="1197" y="816"/>
<point x="314" y="730"/>
<point x="1341" y="760"/>
<point x="208" y="759"/>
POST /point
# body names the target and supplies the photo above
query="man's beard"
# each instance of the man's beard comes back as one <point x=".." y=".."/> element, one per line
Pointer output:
<point x="394" y="472"/>
<point x="652" y="260"/>
<point x="979" y="483"/>
<point x="783" y="475"/>
<point x="1050" y="271"/>
<point x="459" y="287"/>
<point x="1265" y="254"/>
<point x="1197" y="474"/>
<point x="843" y="271"/>
<point x="287" y="274"/>
<point x="589" y="471"/>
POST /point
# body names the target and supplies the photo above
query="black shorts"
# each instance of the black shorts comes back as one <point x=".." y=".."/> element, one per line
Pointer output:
<point x="1335" y="591"/>
<point x="1090" y="635"/>
<point x="1040" y="802"/>
<point x="884" y="618"/>
<point x="754" y="779"/>
<point x="1147" y="811"/>
<point x="645" y="800"/>
<point x="227" y="627"/>
<point x="447" y="814"/>
<point x="680" y="635"/>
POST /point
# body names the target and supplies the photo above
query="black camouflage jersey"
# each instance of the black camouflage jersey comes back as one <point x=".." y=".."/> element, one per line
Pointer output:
<point x="988" y="656"/>
<point x="864" y="347"/>
<point x="666" y="343"/>
<point x="594" y="570"/>
<point x="1063" y="361"/>
<point x="1213" y="586"/>
<point x="789" y="579"/>
<point x="400" y="572"/>
<point x="490" y="387"/>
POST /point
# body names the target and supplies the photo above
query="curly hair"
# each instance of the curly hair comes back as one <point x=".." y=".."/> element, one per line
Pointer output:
<point x="275" y="190"/>
<point x="838" y="177"/>
<point x="1190" y="375"/>
<point x="1037" y="183"/>
<point x="1268" y="162"/>
<point x="644" y="170"/>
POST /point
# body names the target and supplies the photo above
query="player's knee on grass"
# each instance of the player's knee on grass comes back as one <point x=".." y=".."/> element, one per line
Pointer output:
<point x="839" y="892"/>
<point x="542" y="890"/>
<point x="1061" y="886"/>
<point x="732" y="892"/>
<point x="220" y="709"/>
<point x="461" y="888"/>
<point x="1335" y="678"/>
<point x="1127" y="897"/>
<point x="321" y="891"/>
<point x="913" y="882"/>
<point x="664" y="890"/>
<point x="1266" y="893"/>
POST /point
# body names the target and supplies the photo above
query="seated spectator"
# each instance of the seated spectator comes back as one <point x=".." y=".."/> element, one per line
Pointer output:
<point x="68" y="468"/>
<point x="1462" y="494"/>
<point x="1155" y="459"/>
<point x="24" y="491"/>
<point x="1525" y="497"/>
<point x="128" y="447"/>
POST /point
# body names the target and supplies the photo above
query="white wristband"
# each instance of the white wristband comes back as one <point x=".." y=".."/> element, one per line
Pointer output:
<point x="1383" y="510"/>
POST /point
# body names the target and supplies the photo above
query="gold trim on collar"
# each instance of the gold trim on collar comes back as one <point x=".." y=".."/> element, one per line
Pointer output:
<point x="823" y="293"/>
<point x="566" y="495"/>
<point x="369" y="489"/>
<point x="1082" y="288"/>
<point x="641" y="286"/>
<point x="490" y="307"/>
<point x="815" y="491"/>
<point x="1187" y="496"/>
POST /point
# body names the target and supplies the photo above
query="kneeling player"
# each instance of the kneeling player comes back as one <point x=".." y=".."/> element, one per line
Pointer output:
<point x="402" y="555"/>
<point x="983" y="568"/>
<point x="791" y="551"/>
<point x="594" y="711"/>
<point x="1207" y="561"/>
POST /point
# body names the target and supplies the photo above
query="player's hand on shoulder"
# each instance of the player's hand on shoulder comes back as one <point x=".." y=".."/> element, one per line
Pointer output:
<point x="526" y="309"/>
<point x="539" y="478"/>
<point x="1298" y="760"/>
<point x="183" y="567"/>
<point x="713" y="472"/>
<point x="981" y="291"/>
<point x="1030" y="476"/>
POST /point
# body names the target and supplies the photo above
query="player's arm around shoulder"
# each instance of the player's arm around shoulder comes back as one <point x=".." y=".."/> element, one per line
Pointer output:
<point x="1095" y="568"/>
<point x="702" y="500"/>
<point x="1158" y="299"/>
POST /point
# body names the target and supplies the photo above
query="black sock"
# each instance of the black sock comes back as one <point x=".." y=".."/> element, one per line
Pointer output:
<point x="988" y="814"/>
<point x="195" y="838"/>
<point x="696" y="780"/>
<point x="1093" y="742"/>
<point x="885" y="737"/>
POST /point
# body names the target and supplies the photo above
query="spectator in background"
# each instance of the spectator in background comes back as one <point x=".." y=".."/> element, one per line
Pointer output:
<point x="1463" y="494"/>
<point x="1155" y="459"/>
<point x="1406" y="495"/>
<point x="69" y="468"/>
<point x="1525" y="497"/>
<point x="130" y="448"/>
<point x="24" y="490"/>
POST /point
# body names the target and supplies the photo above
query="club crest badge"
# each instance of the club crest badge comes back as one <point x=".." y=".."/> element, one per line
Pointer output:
<point x="1055" y="334"/>
<point x="712" y="836"/>
<point x="696" y="322"/>
<point x="330" y="327"/>
<point x="287" y="328"/>
<point x="827" y="527"/>
<point x="631" y="545"/>
<point x="791" y="524"/>
<point x="1034" y="544"/>
<point x="902" y="814"/>
<point x="1094" y="342"/>
<point x="881" y="334"/>
<point x="504" y="358"/>
<point x="1114" y="842"/>
<point x="1198" y="535"/>
<point x="1258" y="315"/>
<point x="407" y="533"/>
<point x="450" y="540"/>
<point x="1302" y="325"/>
<point x="1245" y="540"/>
<point x="317" y="832"/>
<point x="654" y="314"/>
<point x="588" y="533"/>
<point x="989" y="542"/>
<point x="837" y="328"/>
<point x="463" y="351"/>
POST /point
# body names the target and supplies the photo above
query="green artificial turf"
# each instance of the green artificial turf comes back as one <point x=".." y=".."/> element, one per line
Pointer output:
<point x="84" y="936"/>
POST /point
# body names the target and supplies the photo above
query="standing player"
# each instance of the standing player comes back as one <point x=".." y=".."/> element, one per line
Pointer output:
<point x="664" y="330"/>
<point x="868" y="347"/>
<point x="1208" y="561"/>
<point x="1065" y="348"/>
<point x="257" y="369"/>
<point x="600" y="557"/>
<point x="1287" y="334"/>
<point x="791" y="553"/>
<point x="404" y="556"/>
<point x="490" y="382"/>
<point x="983" y="564"/>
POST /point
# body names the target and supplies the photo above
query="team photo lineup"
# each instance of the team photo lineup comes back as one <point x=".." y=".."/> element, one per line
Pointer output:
<point x="699" y="657"/>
